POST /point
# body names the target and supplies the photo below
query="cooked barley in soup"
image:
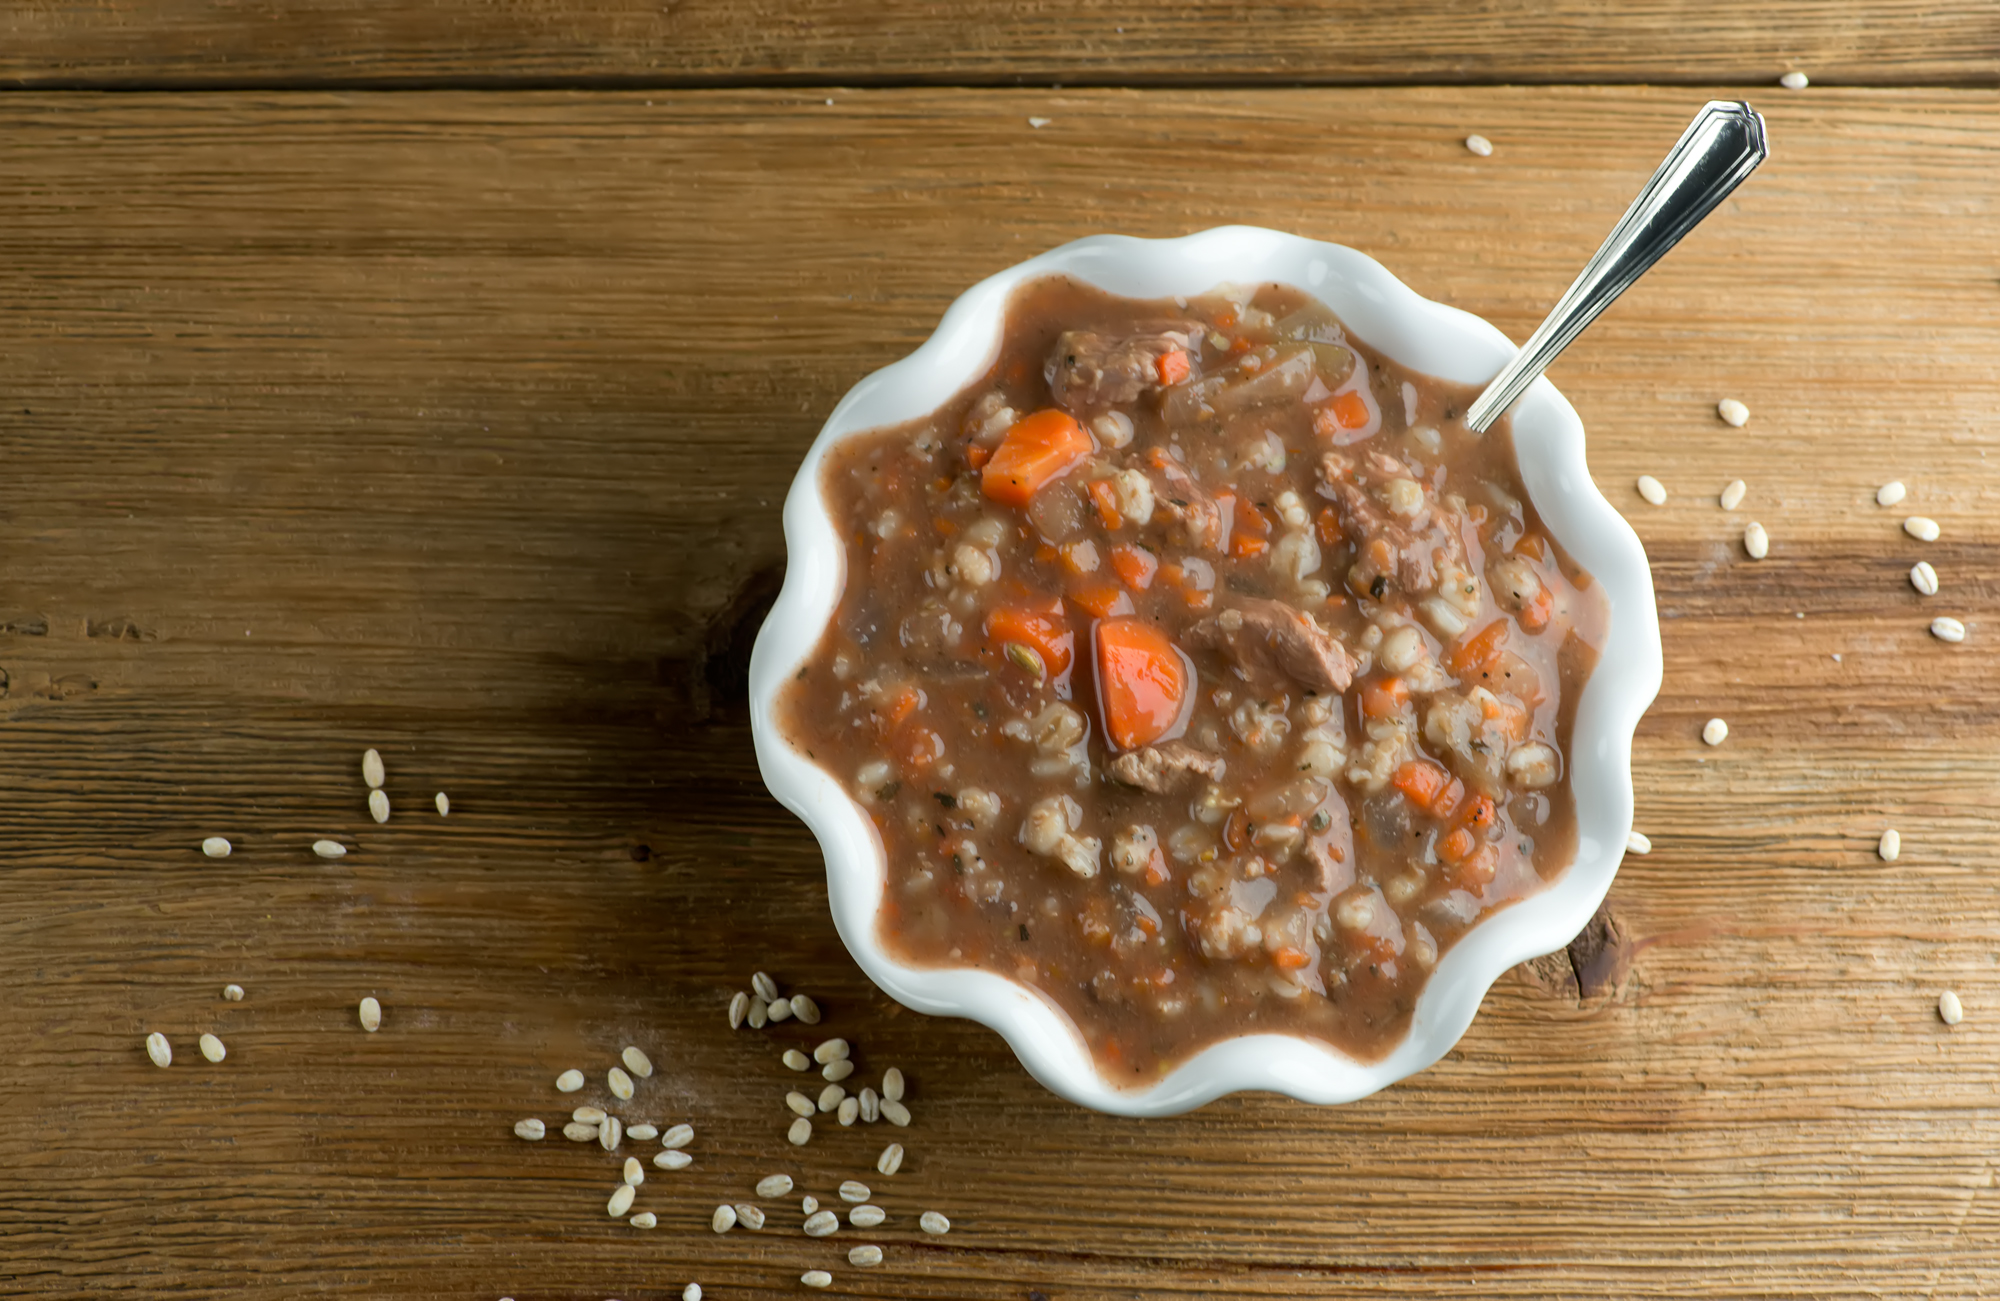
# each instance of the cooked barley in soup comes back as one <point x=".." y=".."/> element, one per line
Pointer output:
<point x="1199" y="669"/>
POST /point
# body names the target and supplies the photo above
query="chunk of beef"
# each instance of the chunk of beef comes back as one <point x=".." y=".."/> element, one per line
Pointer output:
<point x="1273" y="643"/>
<point x="1088" y="371"/>
<point x="1176" y="492"/>
<point x="1406" y="548"/>
<point x="1161" y="768"/>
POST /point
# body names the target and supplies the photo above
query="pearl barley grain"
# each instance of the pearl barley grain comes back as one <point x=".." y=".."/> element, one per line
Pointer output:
<point x="853" y="1190"/>
<point x="1924" y="578"/>
<point x="378" y="805"/>
<point x="1950" y="1010"/>
<point x="642" y="1132"/>
<point x="866" y="1217"/>
<point x="329" y="849"/>
<point x="637" y="1062"/>
<point x="1890" y="847"/>
<point x="692" y="1292"/>
<point x="621" y="1201"/>
<point x="619" y="1083"/>
<point x="1652" y="490"/>
<point x="1756" y="542"/>
<point x="750" y="1217"/>
<point x="1890" y="493"/>
<point x="233" y="993"/>
<point x="774" y="1185"/>
<point x="1732" y="496"/>
<point x="724" y="1218"/>
<point x="672" y="1159"/>
<point x="531" y="1129"/>
<point x="211" y="1048"/>
<point x="896" y="1113"/>
<point x="816" y="1278"/>
<point x="892" y="1084"/>
<point x="569" y="1081"/>
<point x="822" y="1224"/>
<point x="1637" y="842"/>
<point x="739" y="1007"/>
<point x="678" y="1136"/>
<point x="371" y="769"/>
<point x="443" y="803"/>
<point x="159" y="1049"/>
<point x="800" y="1133"/>
<point x="1946" y="628"/>
<point x="864" y="1256"/>
<point x="933" y="1222"/>
<point x="1922" y="528"/>
<point x="797" y="1060"/>
<point x="1733" y="412"/>
<point x="1794" y="81"/>
<point x="1715" y="731"/>
<point x="371" y="1014"/>
<point x="643" y="1220"/>
<point x="215" y="847"/>
<point x="891" y="1159"/>
<point x="1479" y="145"/>
<point x="635" y="1174"/>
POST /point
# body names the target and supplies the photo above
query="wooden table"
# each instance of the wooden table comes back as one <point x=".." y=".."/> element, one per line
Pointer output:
<point x="428" y="377"/>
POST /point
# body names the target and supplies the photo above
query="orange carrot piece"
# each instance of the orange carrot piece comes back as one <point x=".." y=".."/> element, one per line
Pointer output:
<point x="1103" y="600"/>
<point x="1041" y="633"/>
<point x="1175" y="367"/>
<point x="1422" y="783"/>
<point x="1252" y="535"/>
<point x="1384" y="697"/>
<point x="1142" y="682"/>
<point x="1458" y="846"/>
<point x="1135" y="565"/>
<point x="1038" y="450"/>
<point x="1328" y="527"/>
<point x="1105" y="498"/>
<point x="977" y="456"/>
<point x="1291" y="959"/>
<point x="1480" y="648"/>
<point x="1350" y="410"/>
<point x="906" y="701"/>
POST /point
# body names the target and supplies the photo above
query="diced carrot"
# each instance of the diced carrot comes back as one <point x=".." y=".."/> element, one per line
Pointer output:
<point x="1481" y="813"/>
<point x="1103" y="600"/>
<point x="1384" y="697"/>
<point x="1146" y="924"/>
<point x="1253" y="532"/>
<point x="1135" y="565"/>
<point x="1350" y="409"/>
<point x="1479" y="648"/>
<point x="1421" y="782"/>
<point x="1046" y="553"/>
<point x="945" y="527"/>
<point x="1226" y="319"/>
<point x="1478" y="869"/>
<point x="1043" y="634"/>
<point x="1513" y="720"/>
<point x="1174" y="367"/>
<point x="977" y="456"/>
<point x="1038" y="450"/>
<point x="1142" y="682"/>
<point x="907" y="700"/>
<point x="1156" y="869"/>
<point x="1458" y="846"/>
<point x="1535" y="614"/>
<point x="1291" y="959"/>
<point x="1328" y="525"/>
<point x="1105" y="498"/>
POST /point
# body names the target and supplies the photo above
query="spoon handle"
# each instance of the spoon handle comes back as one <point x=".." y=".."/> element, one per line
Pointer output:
<point x="1720" y="148"/>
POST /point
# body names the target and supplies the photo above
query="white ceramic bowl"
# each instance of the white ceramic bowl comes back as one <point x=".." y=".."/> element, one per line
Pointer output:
<point x="1413" y="330"/>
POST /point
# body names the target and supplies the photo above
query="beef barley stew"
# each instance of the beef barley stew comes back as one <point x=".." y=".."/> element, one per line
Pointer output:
<point x="1200" y="670"/>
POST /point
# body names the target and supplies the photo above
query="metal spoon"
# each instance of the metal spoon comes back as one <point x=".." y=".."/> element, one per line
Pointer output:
<point x="1720" y="148"/>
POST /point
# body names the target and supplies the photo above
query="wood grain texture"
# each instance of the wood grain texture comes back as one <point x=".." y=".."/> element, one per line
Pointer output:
<point x="457" y="425"/>
<point x="107" y="43"/>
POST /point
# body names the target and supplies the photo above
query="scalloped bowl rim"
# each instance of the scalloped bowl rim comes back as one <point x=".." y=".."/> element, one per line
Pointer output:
<point x="1425" y="335"/>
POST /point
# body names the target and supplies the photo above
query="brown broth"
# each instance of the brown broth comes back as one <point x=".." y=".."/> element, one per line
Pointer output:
<point x="1307" y="882"/>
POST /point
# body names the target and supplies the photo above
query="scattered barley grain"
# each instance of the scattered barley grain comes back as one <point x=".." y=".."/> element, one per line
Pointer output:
<point x="569" y="1081"/>
<point x="866" y="1217"/>
<point x="892" y="1084"/>
<point x="372" y="771"/>
<point x="637" y="1062"/>
<point x="211" y="1048"/>
<point x="678" y="1136"/>
<point x="1733" y="412"/>
<point x="621" y="1201"/>
<point x="159" y="1049"/>
<point x="215" y="847"/>
<point x="531" y="1129"/>
<point x="821" y="1224"/>
<point x="371" y="1015"/>
<point x="933" y="1222"/>
<point x="774" y="1185"/>
<point x="1890" y="847"/>
<point x="1732" y="496"/>
<point x="800" y="1133"/>
<point x="724" y="1218"/>
<point x="1950" y="1010"/>
<point x="378" y="805"/>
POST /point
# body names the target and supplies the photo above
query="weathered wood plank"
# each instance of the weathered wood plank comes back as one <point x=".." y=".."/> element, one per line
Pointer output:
<point x="295" y="467"/>
<point x="106" y="43"/>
